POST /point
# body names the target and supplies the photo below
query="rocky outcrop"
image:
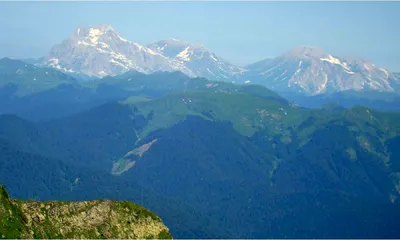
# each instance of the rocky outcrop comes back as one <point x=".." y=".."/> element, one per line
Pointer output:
<point x="86" y="219"/>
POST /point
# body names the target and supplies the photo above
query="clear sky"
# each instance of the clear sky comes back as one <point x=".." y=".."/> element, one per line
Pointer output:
<point x="241" y="32"/>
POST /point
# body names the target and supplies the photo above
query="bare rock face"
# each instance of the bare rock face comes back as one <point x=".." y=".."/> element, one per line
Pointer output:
<point x="86" y="219"/>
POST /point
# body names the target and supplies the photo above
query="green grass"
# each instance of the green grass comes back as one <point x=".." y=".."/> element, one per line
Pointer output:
<point x="12" y="220"/>
<point x="164" y="235"/>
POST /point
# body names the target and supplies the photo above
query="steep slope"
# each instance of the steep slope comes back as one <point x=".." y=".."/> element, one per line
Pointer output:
<point x="311" y="71"/>
<point x="88" y="219"/>
<point x="101" y="51"/>
<point x="200" y="60"/>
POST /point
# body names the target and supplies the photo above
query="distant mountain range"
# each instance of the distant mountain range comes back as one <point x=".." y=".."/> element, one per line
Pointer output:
<point x="100" y="51"/>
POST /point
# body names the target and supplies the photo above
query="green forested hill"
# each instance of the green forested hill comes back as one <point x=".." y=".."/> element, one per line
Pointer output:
<point x="232" y="154"/>
<point x="211" y="159"/>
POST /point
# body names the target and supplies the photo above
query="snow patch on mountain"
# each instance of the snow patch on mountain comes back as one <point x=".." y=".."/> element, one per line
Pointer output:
<point x="323" y="85"/>
<point x="336" y="61"/>
<point x="385" y="71"/>
<point x="184" y="55"/>
<point x="54" y="62"/>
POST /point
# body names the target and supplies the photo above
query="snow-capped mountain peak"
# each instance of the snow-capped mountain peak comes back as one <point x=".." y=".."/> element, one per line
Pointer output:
<point x="93" y="31"/>
<point x="310" y="52"/>
<point x="100" y="51"/>
<point x="199" y="59"/>
<point x="312" y="71"/>
<point x="96" y="35"/>
<point x="172" y="47"/>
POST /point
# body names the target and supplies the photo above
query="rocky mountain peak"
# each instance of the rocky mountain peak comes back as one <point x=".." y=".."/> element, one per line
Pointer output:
<point x="196" y="57"/>
<point x="172" y="47"/>
<point x="99" y="35"/>
<point x="310" y="70"/>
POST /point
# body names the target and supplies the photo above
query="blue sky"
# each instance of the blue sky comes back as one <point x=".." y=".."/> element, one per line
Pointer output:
<point x="241" y="32"/>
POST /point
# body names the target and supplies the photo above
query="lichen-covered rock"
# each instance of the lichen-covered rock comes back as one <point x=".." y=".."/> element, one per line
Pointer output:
<point x="86" y="219"/>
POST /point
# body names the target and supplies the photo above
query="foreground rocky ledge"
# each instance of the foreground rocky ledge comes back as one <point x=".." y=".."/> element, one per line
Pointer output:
<point x="86" y="219"/>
